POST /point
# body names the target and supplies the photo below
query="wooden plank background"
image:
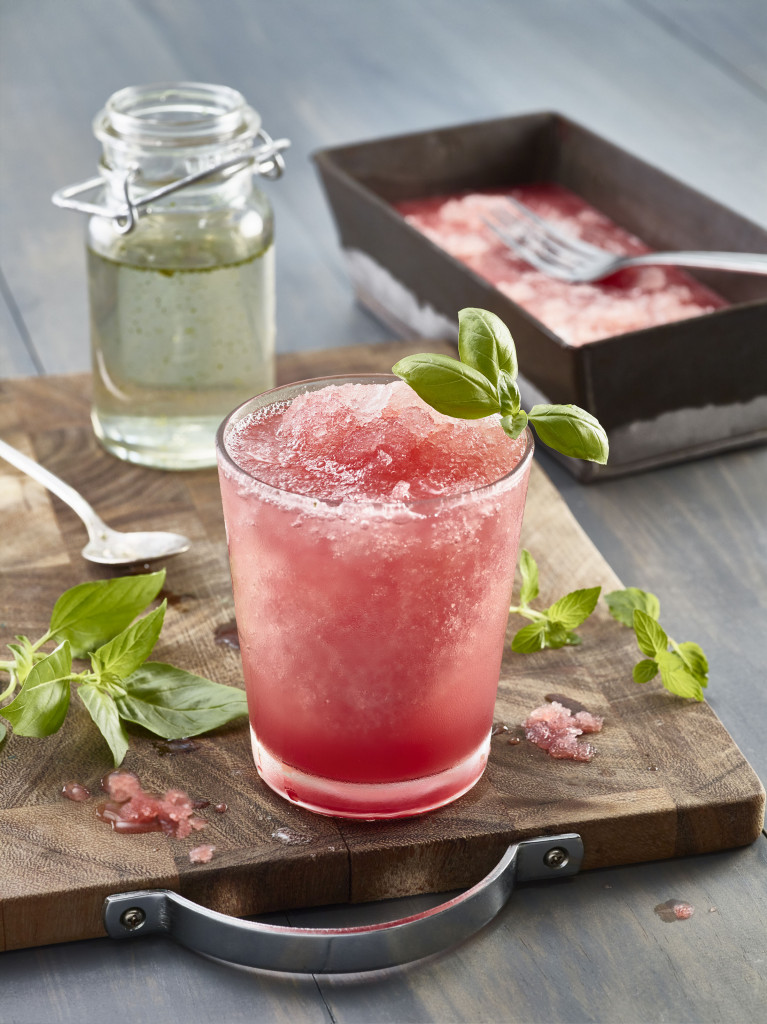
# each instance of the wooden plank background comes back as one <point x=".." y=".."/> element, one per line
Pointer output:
<point x="682" y="85"/>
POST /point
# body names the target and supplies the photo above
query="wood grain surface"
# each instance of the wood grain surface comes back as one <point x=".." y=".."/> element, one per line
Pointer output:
<point x="667" y="781"/>
<point x="682" y="85"/>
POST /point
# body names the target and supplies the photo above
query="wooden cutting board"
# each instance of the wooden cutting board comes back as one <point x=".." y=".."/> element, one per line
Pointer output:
<point x="667" y="779"/>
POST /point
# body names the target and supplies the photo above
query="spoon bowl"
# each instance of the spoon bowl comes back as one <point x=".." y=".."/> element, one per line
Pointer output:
<point x="105" y="546"/>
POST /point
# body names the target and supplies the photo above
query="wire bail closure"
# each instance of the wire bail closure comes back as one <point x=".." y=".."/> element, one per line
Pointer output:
<point x="266" y="160"/>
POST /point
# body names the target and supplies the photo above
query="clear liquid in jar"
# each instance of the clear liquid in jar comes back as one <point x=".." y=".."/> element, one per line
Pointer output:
<point x="174" y="351"/>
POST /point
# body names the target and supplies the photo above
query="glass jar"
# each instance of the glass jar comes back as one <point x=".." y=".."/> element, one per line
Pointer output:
<point x="180" y="270"/>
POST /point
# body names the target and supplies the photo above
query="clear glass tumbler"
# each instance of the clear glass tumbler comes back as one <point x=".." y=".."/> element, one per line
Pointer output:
<point x="371" y="633"/>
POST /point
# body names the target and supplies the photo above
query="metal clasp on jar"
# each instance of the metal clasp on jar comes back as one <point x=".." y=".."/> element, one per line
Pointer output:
<point x="266" y="160"/>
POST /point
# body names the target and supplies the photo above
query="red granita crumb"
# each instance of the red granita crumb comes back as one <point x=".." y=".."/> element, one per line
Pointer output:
<point x="75" y="791"/>
<point x="555" y="729"/>
<point x="131" y="809"/>
<point x="683" y="911"/>
<point x="201" y="854"/>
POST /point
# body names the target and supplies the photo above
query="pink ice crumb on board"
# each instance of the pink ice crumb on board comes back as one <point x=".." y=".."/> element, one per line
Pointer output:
<point x="555" y="729"/>
<point x="131" y="809"/>
<point x="578" y="313"/>
<point x="202" y="854"/>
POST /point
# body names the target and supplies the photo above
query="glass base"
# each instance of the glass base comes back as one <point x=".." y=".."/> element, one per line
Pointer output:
<point x="172" y="442"/>
<point x="370" y="801"/>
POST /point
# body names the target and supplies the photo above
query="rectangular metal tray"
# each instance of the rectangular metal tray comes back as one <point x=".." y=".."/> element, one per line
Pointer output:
<point x="665" y="393"/>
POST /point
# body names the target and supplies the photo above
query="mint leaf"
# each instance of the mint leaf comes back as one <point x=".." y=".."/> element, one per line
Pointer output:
<point x="695" y="661"/>
<point x="675" y="676"/>
<point x="622" y="604"/>
<point x="128" y="650"/>
<point x="515" y="424"/>
<point x="574" y="608"/>
<point x="528" y="567"/>
<point x="485" y="344"/>
<point x="571" y="430"/>
<point x="530" y="638"/>
<point x="103" y="710"/>
<point x="448" y="386"/>
<point x="645" y="670"/>
<point x="41" y="705"/>
<point x="651" y="638"/>
<point x="556" y="635"/>
<point x="91" y="613"/>
<point x="173" y="703"/>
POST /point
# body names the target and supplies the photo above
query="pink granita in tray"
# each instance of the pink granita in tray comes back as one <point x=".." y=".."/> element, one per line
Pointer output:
<point x="578" y="313"/>
<point x="556" y="729"/>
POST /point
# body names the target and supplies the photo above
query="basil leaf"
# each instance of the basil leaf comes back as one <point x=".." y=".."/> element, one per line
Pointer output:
<point x="173" y="703"/>
<point x="103" y="710"/>
<point x="574" y="608"/>
<point x="91" y="613"/>
<point x="623" y="602"/>
<point x="651" y="637"/>
<point x="448" y="386"/>
<point x="22" y="653"/>
<point x="514" y="425"/>
<point x="41" y="705"/>
<point x="645" y="670"/>
<point x="695" y="661"/>
<point x="529" y="570"/>
<point x="129" y="649"/>
<point x="508" y="394"/>
<point x="530" y="638"/>
<point x="676" y="678"/>
<point x="571" y="430"/>
<point x="485" y="343"/>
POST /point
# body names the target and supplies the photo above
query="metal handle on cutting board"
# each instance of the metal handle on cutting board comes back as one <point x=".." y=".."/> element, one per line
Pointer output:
<point x="341" y="950"/>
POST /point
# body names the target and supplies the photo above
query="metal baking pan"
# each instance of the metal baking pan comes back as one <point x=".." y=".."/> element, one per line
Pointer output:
<point x="664" y="393"/>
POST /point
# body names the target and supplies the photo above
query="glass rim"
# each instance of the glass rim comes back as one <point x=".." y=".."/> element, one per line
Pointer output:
<point x="415" y="505"/>
<point x="208" y="114"/>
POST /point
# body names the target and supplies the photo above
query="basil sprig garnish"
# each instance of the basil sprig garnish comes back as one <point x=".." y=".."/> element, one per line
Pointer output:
<point x="95" y="620"/>
<point x="483" y="382"/>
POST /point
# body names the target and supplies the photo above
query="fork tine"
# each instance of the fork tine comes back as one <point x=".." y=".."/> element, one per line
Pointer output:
<point x="540" y="243"/>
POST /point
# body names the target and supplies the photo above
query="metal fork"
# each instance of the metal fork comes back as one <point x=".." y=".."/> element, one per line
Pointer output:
<point x="567" y="258"/>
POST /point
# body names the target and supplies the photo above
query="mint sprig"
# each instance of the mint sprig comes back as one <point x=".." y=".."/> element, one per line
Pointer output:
<point x="553" y="626"/>
<point x="683" y="669"/>
<point x="483" y="382"/>
<point x="95" y="620"/>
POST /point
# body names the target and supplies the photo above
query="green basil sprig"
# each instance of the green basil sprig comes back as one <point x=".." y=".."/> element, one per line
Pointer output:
<point x="95" y="620"/>
<point x="553" y="626"/>
<point x="683" y="669"/>
<point x="483" y="382"/>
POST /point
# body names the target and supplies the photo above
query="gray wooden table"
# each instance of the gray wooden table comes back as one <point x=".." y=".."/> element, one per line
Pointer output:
<point x="683" y="85"/>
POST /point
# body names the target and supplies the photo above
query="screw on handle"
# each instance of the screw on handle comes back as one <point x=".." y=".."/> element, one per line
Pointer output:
<point x="342" y="950"/>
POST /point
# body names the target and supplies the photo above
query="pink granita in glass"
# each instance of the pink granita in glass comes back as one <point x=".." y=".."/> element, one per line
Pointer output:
<point x="578" y="313"/>
<point x="372" y="546"/>
<point x="556" y="729"/>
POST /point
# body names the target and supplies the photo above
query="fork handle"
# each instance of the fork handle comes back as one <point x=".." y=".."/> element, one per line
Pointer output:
<point x="57" y="486"/>
<point x="750" y="262"/>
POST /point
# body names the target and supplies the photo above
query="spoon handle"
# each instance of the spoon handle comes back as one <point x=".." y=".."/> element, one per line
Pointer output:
<point x="67" y="494"/>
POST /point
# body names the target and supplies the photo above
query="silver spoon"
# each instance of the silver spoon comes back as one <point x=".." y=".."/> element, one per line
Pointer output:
<point x="105" y="546"/>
